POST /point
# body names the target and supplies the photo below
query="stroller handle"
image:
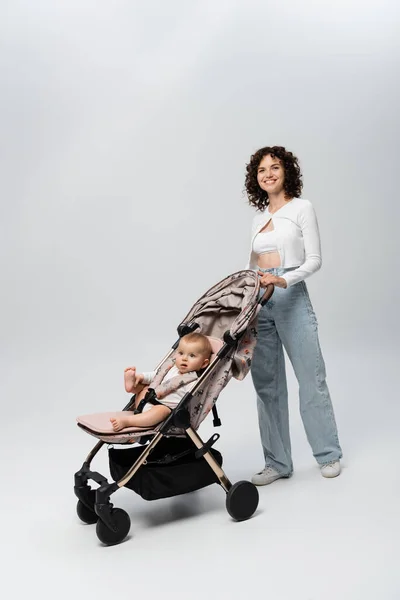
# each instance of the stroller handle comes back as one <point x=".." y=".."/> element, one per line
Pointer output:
<point x="269" y="290"/>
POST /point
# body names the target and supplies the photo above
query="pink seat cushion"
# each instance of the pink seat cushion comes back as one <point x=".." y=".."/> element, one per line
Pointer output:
<point x="100" y="422"/>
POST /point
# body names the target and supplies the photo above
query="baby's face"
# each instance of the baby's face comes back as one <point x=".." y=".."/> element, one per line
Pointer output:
<point x="190" y="357"/>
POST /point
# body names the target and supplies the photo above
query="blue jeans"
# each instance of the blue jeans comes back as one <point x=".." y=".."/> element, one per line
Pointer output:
<point x="288" y="320"/>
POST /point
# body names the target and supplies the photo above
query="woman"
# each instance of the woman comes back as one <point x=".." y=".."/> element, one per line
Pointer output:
<point x="285" y="249"/>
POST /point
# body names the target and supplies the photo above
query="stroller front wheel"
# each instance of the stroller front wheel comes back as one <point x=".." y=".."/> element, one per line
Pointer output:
<point x="122" y="525"/>
<point x="242" y="500"/>
<point x="85" y="514"/>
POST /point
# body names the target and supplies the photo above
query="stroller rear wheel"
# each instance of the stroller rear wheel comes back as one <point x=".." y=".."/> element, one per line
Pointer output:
<point x="86" y="514"/>
<point x="242" y="500"/>
<point x="122" y="525"/>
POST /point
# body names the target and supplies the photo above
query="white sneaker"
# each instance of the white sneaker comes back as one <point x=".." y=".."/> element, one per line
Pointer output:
<point x="331" y="469"/>
<point x="266" y="476"/>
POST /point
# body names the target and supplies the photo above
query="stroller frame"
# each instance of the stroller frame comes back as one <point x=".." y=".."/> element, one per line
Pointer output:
<point x="113" y="524"/>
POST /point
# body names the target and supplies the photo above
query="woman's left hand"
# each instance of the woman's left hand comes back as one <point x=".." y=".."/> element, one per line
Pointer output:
<point x="267" y="278"/>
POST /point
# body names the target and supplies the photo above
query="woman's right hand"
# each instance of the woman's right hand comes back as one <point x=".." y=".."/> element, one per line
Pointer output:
<point x="267" y="278"/>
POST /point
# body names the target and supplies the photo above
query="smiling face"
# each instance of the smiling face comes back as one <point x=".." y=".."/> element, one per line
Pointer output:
<point x="271" y="174"/>
<point x="191" y="356"/>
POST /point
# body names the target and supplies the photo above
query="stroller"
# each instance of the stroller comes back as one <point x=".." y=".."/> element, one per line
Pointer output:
<point x="171" y="458"/>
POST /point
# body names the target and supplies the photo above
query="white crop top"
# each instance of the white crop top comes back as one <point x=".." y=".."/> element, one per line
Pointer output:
<point x="296" y="235"/>
<point x="265" y="242"/>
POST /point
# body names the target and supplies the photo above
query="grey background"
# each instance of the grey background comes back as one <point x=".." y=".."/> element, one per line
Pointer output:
<point x="125" y="129"/>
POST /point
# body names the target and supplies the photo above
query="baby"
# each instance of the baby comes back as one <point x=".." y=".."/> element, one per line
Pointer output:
<point x="193" y="354"/>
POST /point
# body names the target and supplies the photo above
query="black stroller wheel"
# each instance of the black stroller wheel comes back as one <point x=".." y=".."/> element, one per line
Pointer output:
<point x="242" y="500"/>
<point x="85" y="514"/>
<point x="122" y="525"/>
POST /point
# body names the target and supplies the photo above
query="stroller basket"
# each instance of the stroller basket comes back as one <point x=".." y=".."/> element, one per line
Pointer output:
<point x="172" y="458"/>
<point x="172" y="470"/>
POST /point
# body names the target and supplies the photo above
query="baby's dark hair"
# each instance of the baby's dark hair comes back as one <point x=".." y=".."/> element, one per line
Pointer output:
<point x="201" y="340"/>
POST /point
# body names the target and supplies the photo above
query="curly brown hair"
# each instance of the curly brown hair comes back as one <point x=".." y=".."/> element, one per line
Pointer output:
<point x="292" y="184"/>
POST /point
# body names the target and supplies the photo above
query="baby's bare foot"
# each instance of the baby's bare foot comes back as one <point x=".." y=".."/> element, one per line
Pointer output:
<point x="129" y="377"/>
<point x="120" y="423"/>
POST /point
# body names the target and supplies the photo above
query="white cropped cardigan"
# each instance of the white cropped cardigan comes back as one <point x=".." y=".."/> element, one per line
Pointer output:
<point x="297" y="236"/>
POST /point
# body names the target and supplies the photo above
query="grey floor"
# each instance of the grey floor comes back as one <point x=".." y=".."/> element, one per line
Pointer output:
<point x="311" y="538"/>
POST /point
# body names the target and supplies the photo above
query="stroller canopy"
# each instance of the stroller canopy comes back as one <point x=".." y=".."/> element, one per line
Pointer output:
<point x="230" y="305"/>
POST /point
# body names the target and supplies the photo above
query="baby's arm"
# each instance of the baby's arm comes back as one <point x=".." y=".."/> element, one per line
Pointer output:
<point x="135" y="382"/>
<point x="148" y="377"/>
